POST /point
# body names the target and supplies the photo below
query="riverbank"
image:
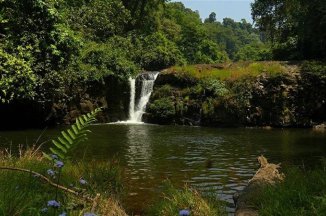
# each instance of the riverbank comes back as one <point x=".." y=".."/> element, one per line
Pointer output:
<point x="276" y="94"/>
<point x="31" y="186"/>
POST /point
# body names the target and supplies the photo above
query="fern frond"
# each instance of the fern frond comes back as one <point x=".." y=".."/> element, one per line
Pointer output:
<point x="72" y="136"/>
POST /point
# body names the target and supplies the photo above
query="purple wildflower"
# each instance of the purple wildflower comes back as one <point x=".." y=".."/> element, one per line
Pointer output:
<point x="59" y="164"/>
<point x="54" y="157"/>
<point x="63" y="214"/>
<point x="184" y="212"/>
<point x="82" y="181"/>
<point x="50" y="172"/>
<point x="53" y="203"/>
<point x="44" y="210"/>
<point x="89" y="214"/>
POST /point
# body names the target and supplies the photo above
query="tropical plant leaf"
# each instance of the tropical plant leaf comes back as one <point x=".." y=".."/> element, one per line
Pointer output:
<point x="71" y="137"/>
<point x="59" y="146"/>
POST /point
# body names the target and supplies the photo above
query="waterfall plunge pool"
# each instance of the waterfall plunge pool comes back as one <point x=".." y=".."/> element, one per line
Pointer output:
<point x="149" y="154"/>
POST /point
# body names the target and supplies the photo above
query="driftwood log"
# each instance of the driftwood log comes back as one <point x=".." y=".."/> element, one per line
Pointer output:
<point x="267" y="174"/>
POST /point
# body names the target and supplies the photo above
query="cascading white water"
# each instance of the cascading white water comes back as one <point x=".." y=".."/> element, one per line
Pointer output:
<point x="136" y="111"/>
<point x="132" y="83"/>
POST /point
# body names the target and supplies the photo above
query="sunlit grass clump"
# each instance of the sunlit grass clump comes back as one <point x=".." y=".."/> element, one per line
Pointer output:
<point x="229" y="71"/>
<point x="186" y="201"/>
<point x="302" y="193"/>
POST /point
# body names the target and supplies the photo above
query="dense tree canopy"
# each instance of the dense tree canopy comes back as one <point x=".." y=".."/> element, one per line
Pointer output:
<point x="58" y="43"/>
<point x="296" y="28"/>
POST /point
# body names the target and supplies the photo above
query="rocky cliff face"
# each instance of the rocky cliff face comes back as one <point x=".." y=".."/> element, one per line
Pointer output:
<point x="294" y="98"/>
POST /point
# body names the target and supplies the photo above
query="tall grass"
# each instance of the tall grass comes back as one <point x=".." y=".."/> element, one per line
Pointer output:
<point x="174" y="200"/>
<point x="302" y="193"/>
<point x="25" y="194"/>
<point x="230" y="71"/>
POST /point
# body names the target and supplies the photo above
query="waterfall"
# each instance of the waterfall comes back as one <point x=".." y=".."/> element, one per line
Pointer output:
<point x="132" y="83"/>
<point x="138" y="107"/>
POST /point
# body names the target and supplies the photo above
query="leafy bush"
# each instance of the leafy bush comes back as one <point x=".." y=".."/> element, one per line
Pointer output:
<point x="164" y="91"/>
<point x="162" y="109"/>
<point x="214" y="87"/>
<point x="17" y="79"/>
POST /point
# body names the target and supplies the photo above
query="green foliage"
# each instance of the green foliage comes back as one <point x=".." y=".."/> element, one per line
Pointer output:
<point x="99" y="19"/>
<point x="294" y="27"/>
<point x="163" y="108"/>
<point x="72" y="136"/>
<point x="314" y="67"/>
<point x="233" y="36"/>
<point x="176" y="199"/>
<point x="164" y="91"/>
<point x="17" y="80"/>
<point x="214" y="87"/>
<point x="159" y="52"/>
<point x="102" y="59"/>
<point x="256" y="52"/>
<point x="209" y="53"/>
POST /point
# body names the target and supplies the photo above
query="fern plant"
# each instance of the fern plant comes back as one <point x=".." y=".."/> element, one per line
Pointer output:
<point x="72" y="136"/>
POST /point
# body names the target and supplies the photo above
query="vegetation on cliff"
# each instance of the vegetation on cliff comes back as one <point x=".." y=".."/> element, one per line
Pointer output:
<point x="276" y="94"/>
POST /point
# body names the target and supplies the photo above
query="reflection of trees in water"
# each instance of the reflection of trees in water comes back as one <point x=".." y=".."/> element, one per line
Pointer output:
<point x="139" y="149"/>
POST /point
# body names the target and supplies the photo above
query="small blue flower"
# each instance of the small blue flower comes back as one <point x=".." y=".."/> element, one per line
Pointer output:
<point x="82" y="181"/>
<point x="59" y="164"/>
<point x="63" y="214"/>
<point x="54" y="157"/>
<point x="184" y="212"/>
<point x="50" y="172"/>
<point x="53" y="203"/>
<point x="44" y="210"/>
<point x="89" y="214"/>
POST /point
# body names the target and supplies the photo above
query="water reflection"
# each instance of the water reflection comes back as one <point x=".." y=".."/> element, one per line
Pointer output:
<point x="139" y="148"/>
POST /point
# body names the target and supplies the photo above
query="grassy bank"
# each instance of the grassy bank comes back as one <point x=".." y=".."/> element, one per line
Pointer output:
<point x="230" y="71"/>
<point x="302" y="193"/>
<point x="27" y="194"/>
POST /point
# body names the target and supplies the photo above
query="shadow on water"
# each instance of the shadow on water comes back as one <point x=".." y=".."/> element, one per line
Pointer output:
<point x="209" y="159"/>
